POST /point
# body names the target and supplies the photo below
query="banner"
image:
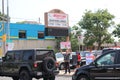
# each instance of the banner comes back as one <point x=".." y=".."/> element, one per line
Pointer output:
<point x="65" y="45"/>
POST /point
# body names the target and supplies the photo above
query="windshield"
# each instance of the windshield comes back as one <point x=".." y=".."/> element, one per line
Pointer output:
<point x="59" y="55"/>
<point x="83" y="53"/>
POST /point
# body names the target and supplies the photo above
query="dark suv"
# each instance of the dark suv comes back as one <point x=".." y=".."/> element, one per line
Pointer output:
<point x="105" y="67"/>
<point x="28" y="64"/>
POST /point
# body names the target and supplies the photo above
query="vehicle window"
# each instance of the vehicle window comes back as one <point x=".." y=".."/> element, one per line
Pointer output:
<point x="118" y="60"/>
<point x="72" y="54"/>
<point x="107" y="59"/>
<point x="28" y="55"/>
<point x="17" y="55"/>
<point x="105" y="50"/>
<point x="59" y="55"/>
<point x="83" y="54"/>
<point x="42" y="54"/>
<point x="10" y="56"/>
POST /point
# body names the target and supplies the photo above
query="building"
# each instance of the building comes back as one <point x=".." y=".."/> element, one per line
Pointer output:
<point x="25" y="36"/>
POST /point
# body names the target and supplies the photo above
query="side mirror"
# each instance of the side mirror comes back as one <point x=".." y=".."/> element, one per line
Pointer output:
<point x="95" y="63"/>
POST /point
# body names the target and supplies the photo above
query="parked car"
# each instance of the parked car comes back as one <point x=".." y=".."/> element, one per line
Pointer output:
<point x="110" y="48"/>
<point x="104" y="67"/>
<point x="83" y="57"/>
<point x="60" y="60"/>
<point x="73" y="60"/>
<point x="97" y="53"/>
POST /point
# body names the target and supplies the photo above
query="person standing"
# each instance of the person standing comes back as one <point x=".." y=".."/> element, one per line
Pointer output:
<point x="78" y="59"/>
<point x="67" y="60"/>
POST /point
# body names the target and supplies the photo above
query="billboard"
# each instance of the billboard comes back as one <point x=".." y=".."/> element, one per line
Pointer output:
<point x="57" y="20"/>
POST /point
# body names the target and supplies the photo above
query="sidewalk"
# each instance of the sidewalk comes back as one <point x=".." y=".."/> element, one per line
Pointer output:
<point x="61" y="73"/>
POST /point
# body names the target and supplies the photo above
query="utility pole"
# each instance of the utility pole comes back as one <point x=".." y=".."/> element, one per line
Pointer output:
<point x="8" y="20"/>
<point x="4" y="48"/>
<point x="3" y="7"/>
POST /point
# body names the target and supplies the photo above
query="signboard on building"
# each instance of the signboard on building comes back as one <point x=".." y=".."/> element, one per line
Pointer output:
<point x="65" y="45"/>
<point x="56" y="23"/>
<point x="57" y="20"/>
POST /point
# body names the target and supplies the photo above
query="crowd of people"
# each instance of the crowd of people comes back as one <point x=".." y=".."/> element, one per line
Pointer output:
<point x="89" y="58"/>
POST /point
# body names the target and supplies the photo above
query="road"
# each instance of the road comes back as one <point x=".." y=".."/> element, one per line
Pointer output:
<point x="60" y="76"/>
<point x="57" y="78"/>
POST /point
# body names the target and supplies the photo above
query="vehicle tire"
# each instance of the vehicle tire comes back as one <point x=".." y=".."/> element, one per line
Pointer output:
<point x="49" y="78"/>
<point x="62" y="66"/>
<point x="15" y="78"/>
<point x="24" y="75"/>
<point x="83" y="77"/>
<point x="52" y="78"/>
<point x="45" y="78"/>
<point x="49" y="64"/>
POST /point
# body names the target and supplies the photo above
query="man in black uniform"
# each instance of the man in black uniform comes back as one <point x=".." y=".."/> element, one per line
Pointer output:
<point x="67" y="60"/>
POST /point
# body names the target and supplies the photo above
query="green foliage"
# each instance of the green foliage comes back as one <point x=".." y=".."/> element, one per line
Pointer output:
<point x="116" y="32"/>
<point x="96" y="25"/>
<point x="49" y="47"/>
<point x="58" y="40"/>
<point x="75" y="31"/>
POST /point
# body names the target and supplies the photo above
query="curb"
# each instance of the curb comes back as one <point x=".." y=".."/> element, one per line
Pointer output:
<point x="66" y="75"/>
<point x="61" y="73"/>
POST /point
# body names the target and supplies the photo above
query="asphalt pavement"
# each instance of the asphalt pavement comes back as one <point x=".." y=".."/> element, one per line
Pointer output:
<point x="61" y="75"/>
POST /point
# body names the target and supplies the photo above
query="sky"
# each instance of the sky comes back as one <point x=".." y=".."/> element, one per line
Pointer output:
<point x="32" y="10"/>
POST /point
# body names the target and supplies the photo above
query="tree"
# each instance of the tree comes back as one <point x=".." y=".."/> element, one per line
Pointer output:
<point x="74" y="32"/>
<point x="58" y="40"/>
<point x="116" y="32"/>
<point x="96" y="25"/>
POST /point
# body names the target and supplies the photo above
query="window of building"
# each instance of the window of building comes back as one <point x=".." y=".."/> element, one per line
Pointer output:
<point x="22" y="34"/>
<point x="40" y="34"/>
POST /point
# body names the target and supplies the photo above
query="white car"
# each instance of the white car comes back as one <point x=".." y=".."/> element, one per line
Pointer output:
<point x="60" y="60"/>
